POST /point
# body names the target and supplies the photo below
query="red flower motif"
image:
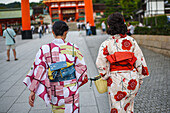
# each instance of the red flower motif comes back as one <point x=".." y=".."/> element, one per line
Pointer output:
<point x="105" y="51"/>
<point x="117" y="40"/>
<point x="102" y="74"/>
<point x="120" y="95"/>
<point x="145" y="70"/>
<point x="114" y="110"/>
<point x="136" y="94"/>
<point x="109" y="81"/>
<point x="125" y="108"/>
<point x="126" y="44"/>
<point x="132" y="84"/>
<point x="124" y="80"/>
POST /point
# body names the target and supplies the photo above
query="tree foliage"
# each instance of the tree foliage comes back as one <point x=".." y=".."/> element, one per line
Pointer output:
<point x="112" y="6"/>
<point x="128" y="7"/>
<point x="18" y="5"/>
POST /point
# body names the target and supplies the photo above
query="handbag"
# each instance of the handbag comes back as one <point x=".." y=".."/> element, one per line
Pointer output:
<point x="101" y="85"/>
<point x="61" y="70"/>
<point x="10" y="36"/>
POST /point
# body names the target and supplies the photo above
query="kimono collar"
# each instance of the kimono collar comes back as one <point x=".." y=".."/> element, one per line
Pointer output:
<point x="117" y="36"/>
<point x="58" y="41"/>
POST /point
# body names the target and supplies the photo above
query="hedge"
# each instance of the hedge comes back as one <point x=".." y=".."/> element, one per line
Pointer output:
<point x="161" y="20"/>
<point x="161" y="30"/>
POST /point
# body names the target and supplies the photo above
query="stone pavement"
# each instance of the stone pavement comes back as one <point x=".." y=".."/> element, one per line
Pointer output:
<point x="152" y="97"/>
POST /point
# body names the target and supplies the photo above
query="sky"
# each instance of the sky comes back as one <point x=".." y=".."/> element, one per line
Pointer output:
<point x="10" y="1"/>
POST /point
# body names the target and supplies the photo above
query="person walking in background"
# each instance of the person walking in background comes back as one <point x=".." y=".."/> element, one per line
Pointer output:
<point x="69" y="73"/>
<point x="32" y="28"/>
<point x="46" y="29"/>
<point x="103" y="26"/>
<point x="130" y="29"/>
<point x="9" y="35"/>
<point x="89" y="32"/>
<point x="78" y="25"/>
<point x="120" y="61"/>
<point x="40" y="30"/>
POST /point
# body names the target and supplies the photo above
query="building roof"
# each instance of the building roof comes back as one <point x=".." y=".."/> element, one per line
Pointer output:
<point x="12" y="13"/>
<point x="46" y="1"/>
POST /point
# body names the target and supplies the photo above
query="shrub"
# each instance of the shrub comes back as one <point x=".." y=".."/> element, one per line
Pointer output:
<point x="159" y="30"/>
<point x="151" y="21"/>
<point x="135" y="23"/>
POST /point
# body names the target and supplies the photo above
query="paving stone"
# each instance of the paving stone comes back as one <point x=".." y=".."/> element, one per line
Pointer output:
<point x="19" y="108"/>
<point x="89" y="109"/>
<point x="87" y="99"/>
<point x="6" y="103"/>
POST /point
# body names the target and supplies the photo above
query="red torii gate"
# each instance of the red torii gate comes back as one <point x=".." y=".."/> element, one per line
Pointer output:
<point x="26" y="23"/>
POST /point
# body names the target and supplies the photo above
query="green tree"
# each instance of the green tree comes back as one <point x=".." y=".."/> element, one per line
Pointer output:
<point x="112" y="6"/>
<point x="129" y="6"/>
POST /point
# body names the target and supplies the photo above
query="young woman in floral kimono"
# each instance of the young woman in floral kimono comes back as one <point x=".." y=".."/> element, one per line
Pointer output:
<point x="61" y="92"/>
<point x="120" y="61"/>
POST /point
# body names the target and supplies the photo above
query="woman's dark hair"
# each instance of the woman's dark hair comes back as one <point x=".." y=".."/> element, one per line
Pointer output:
<point x="59" y="27"/>
<point x="116" y="24"/>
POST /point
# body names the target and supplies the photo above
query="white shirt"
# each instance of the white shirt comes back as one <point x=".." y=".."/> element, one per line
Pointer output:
<point x="103" y="25"/>
<point x="131" y="28"/>
<point x="88" y="26"/>
<point x="78" y="25"/>
<point x="39" y="28"/>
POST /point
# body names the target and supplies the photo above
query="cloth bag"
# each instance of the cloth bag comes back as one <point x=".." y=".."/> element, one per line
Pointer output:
<point x="101" y="85"/>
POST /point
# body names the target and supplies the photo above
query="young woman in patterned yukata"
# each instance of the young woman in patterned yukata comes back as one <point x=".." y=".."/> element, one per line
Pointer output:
<point x="61" y="92"/>
<point x="120" y="61"/>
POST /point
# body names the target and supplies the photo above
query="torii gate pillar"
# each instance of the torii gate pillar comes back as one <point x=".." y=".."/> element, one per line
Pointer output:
<point x="26" y="21"/>
<point x="89" y="15"/>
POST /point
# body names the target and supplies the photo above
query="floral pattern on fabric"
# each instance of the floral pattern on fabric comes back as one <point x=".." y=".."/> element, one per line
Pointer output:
<point x="127" y="105"/>
<point x="109" y="82"/>
<point x="120" y="95"/>
<point x="132" y="84"/>
<point x="126" y="44"/>
<point x="105" y="51"/>
<point x="145" y="70"/>
<point x="123" y="84"/>
<point x="114" y="110"/>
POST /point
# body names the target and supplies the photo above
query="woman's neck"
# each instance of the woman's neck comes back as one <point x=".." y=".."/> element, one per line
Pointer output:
<point x="59" y="37"/>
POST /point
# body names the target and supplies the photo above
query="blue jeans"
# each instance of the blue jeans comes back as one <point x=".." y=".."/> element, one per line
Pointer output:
<point x="89" y="32"/>
<point x="40" y="34"/>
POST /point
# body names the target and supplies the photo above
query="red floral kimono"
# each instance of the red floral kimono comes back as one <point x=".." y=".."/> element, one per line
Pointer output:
<point x="121" y="62"/>
<point x="63" y="95"/>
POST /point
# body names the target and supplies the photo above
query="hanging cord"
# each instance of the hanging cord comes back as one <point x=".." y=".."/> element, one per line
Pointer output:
<point x="73" y="51"/>
<point x="51" y="53"/>
<point x="93" y="79"/>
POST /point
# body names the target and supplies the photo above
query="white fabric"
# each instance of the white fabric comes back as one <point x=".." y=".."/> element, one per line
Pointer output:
<point x="103" y="25"/>
<point x="131" y="28"/>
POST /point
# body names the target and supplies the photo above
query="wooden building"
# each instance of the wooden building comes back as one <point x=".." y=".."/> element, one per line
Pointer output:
<point x="11" y="16"/>
<point x="66" y="9"/>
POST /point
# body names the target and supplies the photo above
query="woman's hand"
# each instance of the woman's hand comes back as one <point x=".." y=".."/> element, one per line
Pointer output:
<point x="31" y="99"/>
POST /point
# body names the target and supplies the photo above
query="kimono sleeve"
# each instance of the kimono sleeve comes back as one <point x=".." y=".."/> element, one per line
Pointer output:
<point x="81" y="69"/>
<point x="140" y="64"/>
<point x="37" y="72"/>
<point x="101" y="62"/>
